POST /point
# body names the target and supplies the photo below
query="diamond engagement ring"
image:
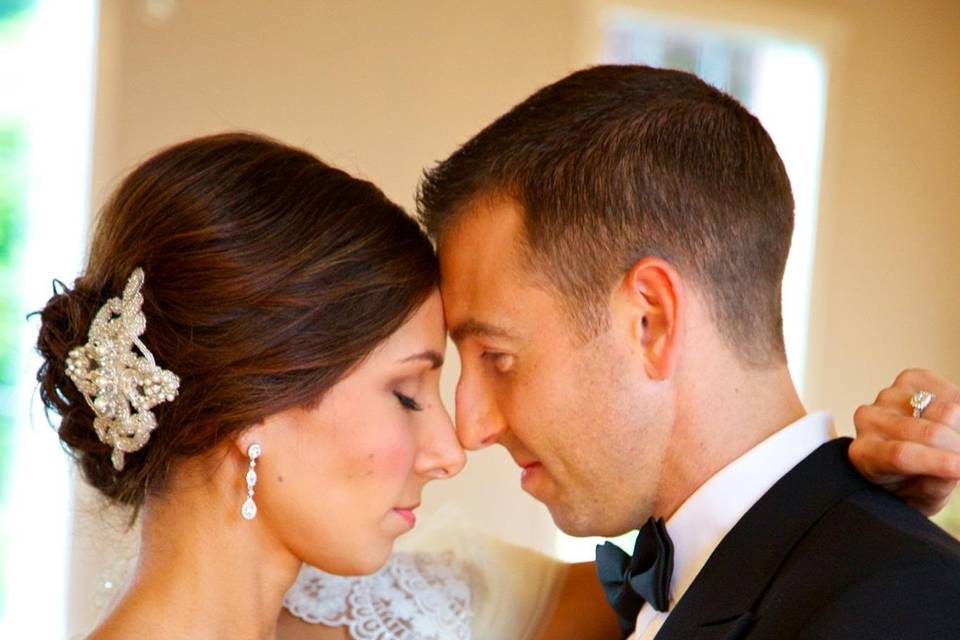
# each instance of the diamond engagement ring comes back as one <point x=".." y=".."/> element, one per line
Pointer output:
<point x="920" y="401"/>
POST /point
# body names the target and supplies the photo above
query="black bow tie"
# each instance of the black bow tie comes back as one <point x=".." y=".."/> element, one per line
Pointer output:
<point x="628" y="582"/>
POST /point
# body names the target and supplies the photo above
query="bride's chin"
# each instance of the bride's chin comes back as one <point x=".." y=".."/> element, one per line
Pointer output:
<point x="360" y="562"/>
<point x="372" y="561"/>
<point x="362" y="554"/>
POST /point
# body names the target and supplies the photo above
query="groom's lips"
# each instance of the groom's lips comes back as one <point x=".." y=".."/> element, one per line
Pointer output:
<point x="528" y="470"/>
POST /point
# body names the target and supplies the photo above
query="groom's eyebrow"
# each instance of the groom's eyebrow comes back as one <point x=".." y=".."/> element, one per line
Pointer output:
<point x="476" y="328"/>
<point x="433" y="357"/>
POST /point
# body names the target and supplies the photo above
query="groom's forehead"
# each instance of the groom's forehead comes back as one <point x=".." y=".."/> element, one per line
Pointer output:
<point x="483" y="277"/>
<point x="482" y="242"/>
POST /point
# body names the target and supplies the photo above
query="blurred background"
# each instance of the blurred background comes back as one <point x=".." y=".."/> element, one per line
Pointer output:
<point x="861" y="96"/>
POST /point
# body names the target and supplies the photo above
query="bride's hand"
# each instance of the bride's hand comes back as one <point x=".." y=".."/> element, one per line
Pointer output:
<point x="916" y="458"/>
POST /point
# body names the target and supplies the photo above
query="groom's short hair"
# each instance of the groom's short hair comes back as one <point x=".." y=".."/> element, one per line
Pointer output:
<point x="615" y="163"/>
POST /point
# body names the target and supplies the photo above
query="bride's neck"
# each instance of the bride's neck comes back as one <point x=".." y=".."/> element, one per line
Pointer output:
<point x="203" y="571"/>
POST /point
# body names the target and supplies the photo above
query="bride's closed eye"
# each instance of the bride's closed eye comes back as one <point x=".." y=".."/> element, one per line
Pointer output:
<point x="407" y="402"/>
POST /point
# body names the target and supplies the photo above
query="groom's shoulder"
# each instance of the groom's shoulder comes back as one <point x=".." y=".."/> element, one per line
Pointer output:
<point x="866" y="566"/>
<point x="887" y="518"/>
<point x="871" y="524"/>
<point x="881" y="569"/>
<point x="909" y="599"/>
<point x="865" y="526"/>
<point x="871" y="532"/>
<point x="825" y="554"/>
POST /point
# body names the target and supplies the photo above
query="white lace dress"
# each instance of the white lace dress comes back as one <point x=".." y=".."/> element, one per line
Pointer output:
<point x="489" y="590"/>
<point x="417" y="596"/>
<point x="450" y="584"/>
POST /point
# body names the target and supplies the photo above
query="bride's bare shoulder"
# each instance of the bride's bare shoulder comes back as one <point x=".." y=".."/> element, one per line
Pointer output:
<point x="289" y="627"/>
<point x="581" y="611"/>
<point x="120" y="625"/>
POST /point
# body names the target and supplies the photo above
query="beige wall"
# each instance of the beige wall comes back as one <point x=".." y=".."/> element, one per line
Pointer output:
<point x="888" y="237"/>
<point x="384" y="88"/>
<point x="888" y="256"/>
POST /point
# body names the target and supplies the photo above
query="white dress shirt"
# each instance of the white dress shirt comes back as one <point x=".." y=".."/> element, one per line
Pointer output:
<point x="711" y="512"/>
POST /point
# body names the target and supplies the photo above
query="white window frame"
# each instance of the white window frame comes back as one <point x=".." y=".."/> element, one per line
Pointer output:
<point x="53" y="79"/>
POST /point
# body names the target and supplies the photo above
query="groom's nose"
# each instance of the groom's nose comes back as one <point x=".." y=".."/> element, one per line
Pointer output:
<point x="440" y="454"/>
<point x="479" y="421"/>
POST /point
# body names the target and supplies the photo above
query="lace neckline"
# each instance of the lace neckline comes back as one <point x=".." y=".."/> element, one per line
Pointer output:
<point x="416" y="596"/>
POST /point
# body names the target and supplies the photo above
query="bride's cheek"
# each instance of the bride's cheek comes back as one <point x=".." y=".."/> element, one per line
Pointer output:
<point x="393" y="458"/>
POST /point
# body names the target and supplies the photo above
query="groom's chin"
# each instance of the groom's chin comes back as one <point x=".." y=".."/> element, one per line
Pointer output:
<point x="572" y="521"/>
<point x="587" y="522"/>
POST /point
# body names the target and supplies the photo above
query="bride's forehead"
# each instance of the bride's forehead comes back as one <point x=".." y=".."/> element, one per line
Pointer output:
<point x="424" y="332"/>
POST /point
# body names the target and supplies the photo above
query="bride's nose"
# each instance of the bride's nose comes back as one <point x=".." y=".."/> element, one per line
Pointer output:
<point x="440" y="454"/>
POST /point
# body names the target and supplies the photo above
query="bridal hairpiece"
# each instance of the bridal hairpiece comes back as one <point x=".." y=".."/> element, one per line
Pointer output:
<point x="119" y="384"/>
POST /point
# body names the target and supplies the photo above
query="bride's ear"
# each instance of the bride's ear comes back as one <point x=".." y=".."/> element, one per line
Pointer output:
<point x="248" y="437"/>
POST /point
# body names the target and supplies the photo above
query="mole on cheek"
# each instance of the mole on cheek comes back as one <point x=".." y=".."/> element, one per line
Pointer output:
<point x="279" y="478"/>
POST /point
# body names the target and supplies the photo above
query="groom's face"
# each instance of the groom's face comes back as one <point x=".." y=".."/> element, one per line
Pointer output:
<point x="578" y="417"/>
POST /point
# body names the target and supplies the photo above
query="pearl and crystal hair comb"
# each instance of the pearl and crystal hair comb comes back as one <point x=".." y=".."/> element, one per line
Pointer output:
<point x="119" y="384"/>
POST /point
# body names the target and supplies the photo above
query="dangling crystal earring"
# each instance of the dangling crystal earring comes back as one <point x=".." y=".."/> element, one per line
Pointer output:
<point x="249" y="509"/>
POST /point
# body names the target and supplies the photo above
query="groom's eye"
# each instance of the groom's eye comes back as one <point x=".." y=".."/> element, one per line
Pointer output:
<point x="502" y="362"/>
<point x="407" y="402"/>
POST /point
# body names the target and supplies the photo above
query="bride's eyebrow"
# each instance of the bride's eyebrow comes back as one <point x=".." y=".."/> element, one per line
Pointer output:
<point x="433" y="357"/>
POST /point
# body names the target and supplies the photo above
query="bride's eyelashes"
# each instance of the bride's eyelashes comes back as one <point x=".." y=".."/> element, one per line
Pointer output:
<point x="407" y="402"/>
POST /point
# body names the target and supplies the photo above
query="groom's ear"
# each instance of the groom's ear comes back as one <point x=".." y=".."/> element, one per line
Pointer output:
<point x="654" y="302"/>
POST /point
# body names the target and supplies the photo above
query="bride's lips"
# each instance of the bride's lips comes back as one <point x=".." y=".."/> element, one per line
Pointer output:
<point x="407" y="514"/>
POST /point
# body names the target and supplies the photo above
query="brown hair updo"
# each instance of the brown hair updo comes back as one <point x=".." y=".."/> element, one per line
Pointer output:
<point x="268" y="276"/>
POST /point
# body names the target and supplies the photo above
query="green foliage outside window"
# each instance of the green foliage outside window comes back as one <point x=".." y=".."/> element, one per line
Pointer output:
<point x="10" y="9"/>
<point x="12" y="180"/>
<point x="13" y="15"/>
<point x="12" y="151"/>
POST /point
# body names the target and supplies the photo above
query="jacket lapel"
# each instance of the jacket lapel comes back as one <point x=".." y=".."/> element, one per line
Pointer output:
<point x="721" y="602"/>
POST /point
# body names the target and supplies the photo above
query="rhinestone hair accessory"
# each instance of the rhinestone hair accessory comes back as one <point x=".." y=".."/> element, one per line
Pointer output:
<point x="119" y="384"/>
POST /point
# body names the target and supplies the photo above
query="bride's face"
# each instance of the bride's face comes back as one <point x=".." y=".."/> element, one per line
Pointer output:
<point x="340" y="481"/>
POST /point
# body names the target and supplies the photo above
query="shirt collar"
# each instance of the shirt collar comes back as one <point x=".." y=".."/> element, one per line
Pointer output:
<point x="705" y="518"/>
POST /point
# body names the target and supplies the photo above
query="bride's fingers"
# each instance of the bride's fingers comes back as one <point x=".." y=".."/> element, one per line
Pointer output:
<point x="944" y="412"/>
<point x="916" y="458"/>
<point x="884" y="460"/>
<point x="942" y="409"/>
<point x="913" y="380"/>
<point x="873" y="420"/>
<point x="929" y="495"/>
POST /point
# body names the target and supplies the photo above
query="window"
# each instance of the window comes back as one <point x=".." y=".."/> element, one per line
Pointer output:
<point x="783" y="83"/>
<point x="12" y="196"/>
<point x="46" y="90"/>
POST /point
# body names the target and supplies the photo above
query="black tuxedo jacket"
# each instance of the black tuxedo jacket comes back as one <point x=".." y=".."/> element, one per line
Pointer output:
<point x="825" y="554"/>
